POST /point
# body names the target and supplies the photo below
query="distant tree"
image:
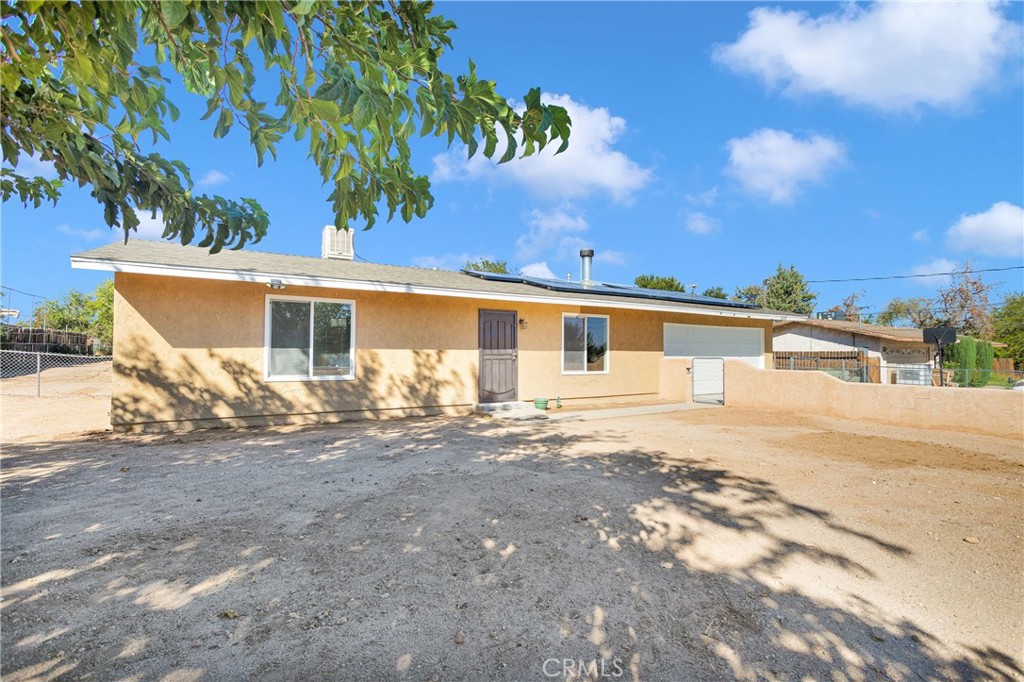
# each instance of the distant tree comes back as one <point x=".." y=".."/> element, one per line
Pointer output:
<point x="485" y="265"/>
<point x="658" y="282"/>
<point x="83" y="82"/>
<point x="1009" y="328"/>
<point x="964" y="305"/>
<point x="76" y="311"/>
<point x="753" y="293"/>
<point x="715" y="292"/>
<point x="72" y="312"/>
<point x="851" y="307"/>
<point x="787" y="290"/>
<point x="103" y="313"/>
<point x="912" y="312"/>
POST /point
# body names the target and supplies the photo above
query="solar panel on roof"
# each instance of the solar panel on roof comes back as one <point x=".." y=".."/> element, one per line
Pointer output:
<point x="602" y="289"/>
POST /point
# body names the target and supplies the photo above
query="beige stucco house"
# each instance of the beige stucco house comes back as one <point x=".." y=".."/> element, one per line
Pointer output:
<point x="902" y="353"/>
<point x="244" y="337"/>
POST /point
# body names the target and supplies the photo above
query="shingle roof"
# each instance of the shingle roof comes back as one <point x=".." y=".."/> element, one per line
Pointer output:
<point x="196" y="262"/>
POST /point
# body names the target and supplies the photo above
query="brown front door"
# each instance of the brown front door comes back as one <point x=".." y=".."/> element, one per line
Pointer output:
<point x="498" y="352"/>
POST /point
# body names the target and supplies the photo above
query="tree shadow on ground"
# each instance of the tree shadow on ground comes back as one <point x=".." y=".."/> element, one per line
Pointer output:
<point x="363" y="550"/>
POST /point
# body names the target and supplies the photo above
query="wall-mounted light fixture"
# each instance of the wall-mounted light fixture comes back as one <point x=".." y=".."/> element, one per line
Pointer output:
<point x="275" y="284"/>
<point x="523" y="324"/>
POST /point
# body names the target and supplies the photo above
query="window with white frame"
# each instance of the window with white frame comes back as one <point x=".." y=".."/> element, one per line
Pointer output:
<point x="584" y="344"/>
<point x="309" y="338"/>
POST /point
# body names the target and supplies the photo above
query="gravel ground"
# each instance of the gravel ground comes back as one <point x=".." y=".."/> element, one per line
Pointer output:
<point x="704" y="545"/>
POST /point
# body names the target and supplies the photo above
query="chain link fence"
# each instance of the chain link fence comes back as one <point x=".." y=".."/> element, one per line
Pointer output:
<point x="54" y="374"/>
<point x="910" y="375"/>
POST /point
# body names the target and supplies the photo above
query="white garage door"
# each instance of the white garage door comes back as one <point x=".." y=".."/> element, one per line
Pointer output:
<point x="700" y="340"/>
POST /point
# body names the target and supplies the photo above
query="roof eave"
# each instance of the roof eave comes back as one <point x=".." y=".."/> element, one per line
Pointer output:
<point x="82" y="262"/>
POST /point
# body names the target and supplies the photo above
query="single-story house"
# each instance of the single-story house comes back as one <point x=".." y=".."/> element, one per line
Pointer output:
<point x="904" y="356"/>
<point x="244" y="337"/>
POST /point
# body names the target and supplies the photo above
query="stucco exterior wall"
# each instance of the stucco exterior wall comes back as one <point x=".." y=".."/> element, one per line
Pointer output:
<point x="676" y="382"/>
<point x="818" y="339"/>
<point x="985" y="411"/>
<point x="190" y="352"/>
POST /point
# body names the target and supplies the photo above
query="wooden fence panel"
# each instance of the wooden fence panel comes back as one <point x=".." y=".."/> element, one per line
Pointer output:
<point x="874" y="370"/>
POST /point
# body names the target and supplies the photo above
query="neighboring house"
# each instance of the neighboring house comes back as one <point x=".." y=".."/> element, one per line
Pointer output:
<point x="244" y="337"/>
<point x="904" y="356"/>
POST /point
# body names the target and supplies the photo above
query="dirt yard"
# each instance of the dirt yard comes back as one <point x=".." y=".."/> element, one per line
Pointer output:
<point x="704" y="545"/>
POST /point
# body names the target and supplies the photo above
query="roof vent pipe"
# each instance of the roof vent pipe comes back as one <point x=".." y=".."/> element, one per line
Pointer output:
<point x="587" y="258"/>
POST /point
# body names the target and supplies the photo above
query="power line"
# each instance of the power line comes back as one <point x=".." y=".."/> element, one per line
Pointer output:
<point x="18" y="291"/>
<point x="933" y="274"/>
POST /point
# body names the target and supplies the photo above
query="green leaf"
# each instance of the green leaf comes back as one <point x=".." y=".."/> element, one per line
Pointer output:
<point x="223" y="123"/>
<point x="174" y="11"/>
<point x="303" y="7"/>
<point x="327" y="111"/>
<point x="362" y="113"/>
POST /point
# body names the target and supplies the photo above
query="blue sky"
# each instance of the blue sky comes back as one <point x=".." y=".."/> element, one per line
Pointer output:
<point x="711" y="141"/>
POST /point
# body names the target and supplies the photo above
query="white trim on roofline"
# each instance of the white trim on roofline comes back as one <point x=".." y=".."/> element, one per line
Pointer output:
<point x="110" y="265"/>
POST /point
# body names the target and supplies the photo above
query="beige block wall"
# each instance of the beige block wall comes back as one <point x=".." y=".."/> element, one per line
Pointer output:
<point x="191" y="352"/>
<point x="985" y="411"/>
<point x="676" y="382"/>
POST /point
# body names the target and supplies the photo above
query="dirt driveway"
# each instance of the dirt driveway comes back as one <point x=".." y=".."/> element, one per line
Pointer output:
<point x="705" y="545"/>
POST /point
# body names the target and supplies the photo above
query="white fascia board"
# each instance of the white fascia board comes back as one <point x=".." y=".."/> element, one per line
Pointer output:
<point x="387" y="287"/>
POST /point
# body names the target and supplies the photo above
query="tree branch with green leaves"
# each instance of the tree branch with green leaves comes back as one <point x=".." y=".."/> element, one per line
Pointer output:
<point x="84" y="83"/>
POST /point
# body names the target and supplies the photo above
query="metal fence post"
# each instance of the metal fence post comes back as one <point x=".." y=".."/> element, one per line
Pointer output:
<point x="39" y="374"/>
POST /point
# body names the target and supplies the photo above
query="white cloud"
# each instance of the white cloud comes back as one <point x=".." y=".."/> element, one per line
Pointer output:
<point x="150" y="228"/>
<point x="999" y="231"/>
<point x="706" y="198"/>
<point x="213" y="177"/>
<point x="936" y="266"/>
<point x="920" y="236"/>
<point x="449" y="261"/>
<point x="32" y="166"/>
<point x="590" y="165"/>
<point x="611" y="257"/>
<point x="893" y="55"/>
<point x="540" y="269"/>
<point x="93" y="235"/>
<point x="700" y="223"/>
<point x="555" y="230"/>
<point x="774" y="164"/>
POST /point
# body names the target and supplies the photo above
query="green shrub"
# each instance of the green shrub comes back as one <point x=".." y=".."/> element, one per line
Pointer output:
<point x="985" y="355"/>
<point x="962" y="356"/>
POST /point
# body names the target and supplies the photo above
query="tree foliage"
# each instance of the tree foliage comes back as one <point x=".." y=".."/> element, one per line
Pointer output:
<point x="788" y="291"/>
<point x="84" y="83"/>
<point x="658" y="282"/>
<point x="753" y="293"/>
<point x="1008" y="324"/>
<point x="77" y="311"/>
<point x="851" y="307"/>
<point x="912" y="312"/>
<point x="715" y="292"/>
<point x="963" y="304"/>
<point x="485" y="265"/>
